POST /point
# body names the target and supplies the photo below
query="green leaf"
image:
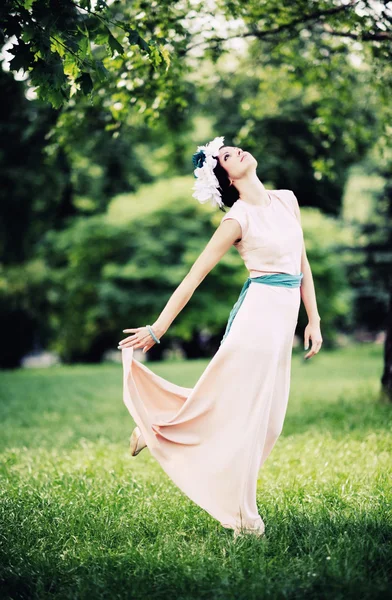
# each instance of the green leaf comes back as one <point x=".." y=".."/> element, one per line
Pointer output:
<point x="28" y="32"/>
<point x="143" y="44"/>
<point x="102" y="37"/>
<point x="86" y="83"/>
<point x="55" y="97"/>
<point x="12" y="26"/>
<point x="133" y="36"/>
<point x="22" y="57"/>
<point x="136" y="39"/>
<point x="165" y="54"/>
<point x="101" y="71"/>
<point x="56" y="69"/>
<point x="114" y="44"/>
<point x="101" y="6"/>
<point x="155" y="56"/>
<point x="71" y="67"/>
<point x="83" y="50"/>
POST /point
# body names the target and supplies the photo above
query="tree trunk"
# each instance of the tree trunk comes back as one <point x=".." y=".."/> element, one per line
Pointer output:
<point x="386" y="379"/>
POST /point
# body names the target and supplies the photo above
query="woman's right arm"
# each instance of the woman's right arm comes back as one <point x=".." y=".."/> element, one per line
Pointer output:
<point x="222" y="239"/>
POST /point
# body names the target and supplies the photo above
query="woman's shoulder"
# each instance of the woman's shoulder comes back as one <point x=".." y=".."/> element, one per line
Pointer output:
<point x="238" y="212"/>
<point x="287" y="197"/>
<point x="236" y="209"/>
<point x="238" y="205"/>
<point x="285" y="193"/>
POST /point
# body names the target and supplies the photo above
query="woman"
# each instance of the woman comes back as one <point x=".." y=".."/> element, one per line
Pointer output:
<point x="213" y="438"/>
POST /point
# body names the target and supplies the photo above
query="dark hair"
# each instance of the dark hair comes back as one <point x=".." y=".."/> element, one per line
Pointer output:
<point x="230" y="194"/>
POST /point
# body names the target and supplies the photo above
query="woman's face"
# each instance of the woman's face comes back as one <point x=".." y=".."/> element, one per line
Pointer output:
<point x="236" y="161"/>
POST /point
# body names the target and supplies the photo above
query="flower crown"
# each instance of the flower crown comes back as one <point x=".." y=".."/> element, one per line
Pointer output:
<point x="206" y="184"/>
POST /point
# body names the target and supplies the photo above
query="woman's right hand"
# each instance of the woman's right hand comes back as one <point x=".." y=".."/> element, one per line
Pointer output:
<point x="141" y="338"/>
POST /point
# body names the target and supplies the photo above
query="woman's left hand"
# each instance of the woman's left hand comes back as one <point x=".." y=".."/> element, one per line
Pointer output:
<point x="141" y="338"/>
<point x="313" y="332"/>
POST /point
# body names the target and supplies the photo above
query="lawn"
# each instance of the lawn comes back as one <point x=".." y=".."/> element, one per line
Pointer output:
<point x="81" y="518"/>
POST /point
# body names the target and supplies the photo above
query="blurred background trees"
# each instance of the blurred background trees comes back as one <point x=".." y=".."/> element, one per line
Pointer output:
<point x="98" y="225"/>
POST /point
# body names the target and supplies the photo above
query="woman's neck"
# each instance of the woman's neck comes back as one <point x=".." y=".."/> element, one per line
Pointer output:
<point x="251" y="190"/>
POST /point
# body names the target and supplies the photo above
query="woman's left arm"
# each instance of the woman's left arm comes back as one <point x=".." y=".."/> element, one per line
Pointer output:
<point x="308" y="295"/>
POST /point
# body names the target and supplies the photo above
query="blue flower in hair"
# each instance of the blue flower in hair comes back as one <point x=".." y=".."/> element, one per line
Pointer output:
<point x="198" y="159"/>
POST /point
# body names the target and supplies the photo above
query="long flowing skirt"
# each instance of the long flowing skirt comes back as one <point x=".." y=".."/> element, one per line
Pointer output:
<point x="212" y="439"/>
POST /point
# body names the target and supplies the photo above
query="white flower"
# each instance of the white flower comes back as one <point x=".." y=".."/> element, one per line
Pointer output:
<point x="212" y="148"/>
<point x="206" y="183"/>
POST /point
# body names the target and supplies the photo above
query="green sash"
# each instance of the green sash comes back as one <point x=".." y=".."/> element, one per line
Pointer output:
<point x="284" y="279"/>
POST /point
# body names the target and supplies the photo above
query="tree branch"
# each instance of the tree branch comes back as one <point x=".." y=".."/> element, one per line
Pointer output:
<point x="381" y="36"/>
<point x="315" y="16"/>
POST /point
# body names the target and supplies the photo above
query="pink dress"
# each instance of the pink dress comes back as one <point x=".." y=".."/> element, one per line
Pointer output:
<point x="212" y="439"/>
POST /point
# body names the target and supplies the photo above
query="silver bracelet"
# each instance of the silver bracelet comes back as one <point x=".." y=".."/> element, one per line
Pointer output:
<point x="153" y="334"/>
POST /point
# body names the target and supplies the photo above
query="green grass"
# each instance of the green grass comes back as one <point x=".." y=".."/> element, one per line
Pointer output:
<point x="81" y="518"/>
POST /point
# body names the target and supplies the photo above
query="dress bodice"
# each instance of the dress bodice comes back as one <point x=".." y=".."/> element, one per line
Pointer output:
<point x="272" y="236"/>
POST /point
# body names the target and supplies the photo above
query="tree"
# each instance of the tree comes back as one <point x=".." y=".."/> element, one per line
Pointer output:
<point x="142" y="51"/>
<point x="56" y="40"/>
<point x="147" y="55"/>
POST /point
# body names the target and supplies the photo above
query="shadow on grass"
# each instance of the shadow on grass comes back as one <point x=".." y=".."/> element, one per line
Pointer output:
<point x="356" y="417"/>
<point x="302" y="556"/>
